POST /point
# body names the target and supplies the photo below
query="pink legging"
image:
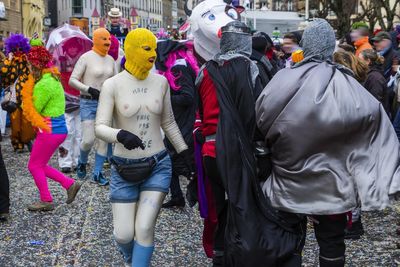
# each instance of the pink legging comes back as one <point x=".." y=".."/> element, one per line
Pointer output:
<point x="43" y="148"/>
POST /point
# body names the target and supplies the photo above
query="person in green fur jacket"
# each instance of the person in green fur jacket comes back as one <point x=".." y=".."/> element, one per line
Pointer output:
<point x="44" y="105"/>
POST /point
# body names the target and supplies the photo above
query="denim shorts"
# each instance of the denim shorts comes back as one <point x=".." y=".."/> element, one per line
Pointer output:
<point x="88" y="109"/>
<point x="122" y="191"/>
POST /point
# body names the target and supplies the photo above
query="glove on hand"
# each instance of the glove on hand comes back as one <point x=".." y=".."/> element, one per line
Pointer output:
<point x="94" y="93"/>
<point x="188" y="158"/>
<point x="199" y="137"/>
<point x="129" y="140"/>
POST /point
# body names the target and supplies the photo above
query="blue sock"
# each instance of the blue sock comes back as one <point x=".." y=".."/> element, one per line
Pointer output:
<point x="98" y="163"/>
<point x="83" y="156"/>
<point x="126" y="250"/>
<point x="142" y="255"/>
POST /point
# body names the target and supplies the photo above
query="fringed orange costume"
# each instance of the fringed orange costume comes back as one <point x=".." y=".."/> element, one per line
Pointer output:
<point x="16" y="70"/>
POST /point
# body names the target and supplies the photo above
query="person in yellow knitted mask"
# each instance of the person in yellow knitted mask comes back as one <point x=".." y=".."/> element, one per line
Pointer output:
<point x="140" y="52"/>
<point x="101" y="41"/>
<point x="133" y="106"/>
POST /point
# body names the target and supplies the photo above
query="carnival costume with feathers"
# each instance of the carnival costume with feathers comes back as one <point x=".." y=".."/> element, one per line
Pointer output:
<point x="39" y="105"/>
<point x="44" y="106"/>
<point x="15" y="72"/>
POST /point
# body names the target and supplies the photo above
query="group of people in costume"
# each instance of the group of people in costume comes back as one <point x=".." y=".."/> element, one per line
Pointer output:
<point x="263" y="150"/>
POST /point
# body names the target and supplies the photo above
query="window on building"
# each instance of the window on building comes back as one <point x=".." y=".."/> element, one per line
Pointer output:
<point x="278" y="5"/>
<point x="77" y="8"/>
<point x="290" y="5"/>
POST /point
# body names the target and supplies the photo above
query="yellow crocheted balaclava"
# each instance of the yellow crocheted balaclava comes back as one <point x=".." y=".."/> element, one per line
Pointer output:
<point x="101" y="41"/>
<point x="140" y="52"/>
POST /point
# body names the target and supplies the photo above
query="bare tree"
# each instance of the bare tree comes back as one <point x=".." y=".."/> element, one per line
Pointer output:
<point x="368" y="14"/>
<point x="379" y="11"/>
<point x="343" y="10"/>
<point x="322" y="7"/>
<point x="385" y="20"/>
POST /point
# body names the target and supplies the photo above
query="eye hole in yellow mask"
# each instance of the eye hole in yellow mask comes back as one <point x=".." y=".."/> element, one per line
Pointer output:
<point x="147" y="48"/>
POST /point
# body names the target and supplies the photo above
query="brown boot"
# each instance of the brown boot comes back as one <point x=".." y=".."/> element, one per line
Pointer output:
<point x="41" y="206"/>
<point x="73" y="190"/>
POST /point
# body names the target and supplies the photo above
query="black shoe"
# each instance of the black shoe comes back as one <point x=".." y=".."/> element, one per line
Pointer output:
<point x="29" y="145"/>
<point x="66" y="170"/>
<point x="191" y="193"/>
<point x="331" y="262"/>
<point x="4" y="217"/>
<point x="81" y="171"/>
<point x="355" y="231"/>
<point x="218" y="259"/>
<point x="178" y="203"/>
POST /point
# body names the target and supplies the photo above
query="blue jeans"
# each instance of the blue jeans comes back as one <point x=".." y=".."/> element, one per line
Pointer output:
<point x="88" y="109"/>
<point x="122" y="191"/>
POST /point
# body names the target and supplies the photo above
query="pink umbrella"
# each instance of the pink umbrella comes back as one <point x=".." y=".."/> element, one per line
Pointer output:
<point x="67" y="43"/>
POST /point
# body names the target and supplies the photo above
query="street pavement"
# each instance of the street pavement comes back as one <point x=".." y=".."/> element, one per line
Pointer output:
<point x="80" y="234"/>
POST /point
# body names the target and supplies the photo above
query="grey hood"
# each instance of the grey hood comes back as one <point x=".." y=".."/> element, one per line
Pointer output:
<point x="318" y="42"/>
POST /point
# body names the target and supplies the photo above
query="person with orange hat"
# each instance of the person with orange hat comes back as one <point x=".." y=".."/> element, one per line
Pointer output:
<point x="91" y="70"/>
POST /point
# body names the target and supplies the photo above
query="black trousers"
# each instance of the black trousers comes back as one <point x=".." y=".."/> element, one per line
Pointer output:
<point x="4" y="187"/>
<point x="329" y="232"/>
<point x="178" y="168"/>
<point x="211" y="171"/>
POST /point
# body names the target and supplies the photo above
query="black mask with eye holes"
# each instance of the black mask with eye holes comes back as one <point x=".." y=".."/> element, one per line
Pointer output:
<point x="236" y="38"/>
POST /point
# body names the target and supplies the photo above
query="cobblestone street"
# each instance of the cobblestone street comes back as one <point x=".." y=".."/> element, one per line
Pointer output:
<point x="80" y="234"/>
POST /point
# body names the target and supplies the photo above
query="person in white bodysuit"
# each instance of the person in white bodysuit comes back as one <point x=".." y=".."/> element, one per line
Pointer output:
<point x="91" y="70"/>
<point x="133" y="106"/>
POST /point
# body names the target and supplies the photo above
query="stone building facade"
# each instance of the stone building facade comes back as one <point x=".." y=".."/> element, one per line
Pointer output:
<point x="33" y="12"/>
<point x="13" y="18"/>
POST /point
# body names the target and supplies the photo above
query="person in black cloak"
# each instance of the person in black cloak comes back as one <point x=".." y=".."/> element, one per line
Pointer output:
<point x="253" y="234"/>
<point x="179" y="66"/>
<point x="260" y="47"/>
